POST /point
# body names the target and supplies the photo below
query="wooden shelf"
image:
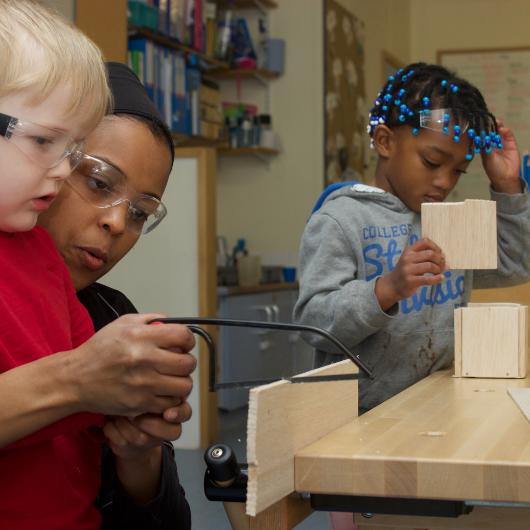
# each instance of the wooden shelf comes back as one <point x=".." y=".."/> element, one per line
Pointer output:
<point x="234" y="290"/>
<point x="169" y="42"/>
<point x="185" y="140"/>
<point x="244" y="151"/>
<point x="247" y="4"/>
<point x="233" y="73"/>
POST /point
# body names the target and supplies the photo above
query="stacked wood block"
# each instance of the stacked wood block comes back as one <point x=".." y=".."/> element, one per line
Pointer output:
<point x="491" y="340"/>
<point x="465" y="231"/>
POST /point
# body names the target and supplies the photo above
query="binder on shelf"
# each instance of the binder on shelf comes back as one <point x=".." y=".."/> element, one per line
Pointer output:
<point x="194" y="83"/>
<point x="189" y="23"/>
<point x="142" y="62"/>
<point x="197" y="25"/>
<point x="210" y="16"/>
<point x="158" y="51"/>
<point x="163" y="15"/>
<point x="180" y="117"/>
<point x="167" y="86"/>
<point x="177" y="19"/>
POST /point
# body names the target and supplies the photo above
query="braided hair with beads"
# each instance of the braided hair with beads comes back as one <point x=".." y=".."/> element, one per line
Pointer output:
<point x="413" y="95"/>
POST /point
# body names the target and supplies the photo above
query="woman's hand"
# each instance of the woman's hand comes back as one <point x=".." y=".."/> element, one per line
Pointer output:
<point x="127" y="368"/>
<point x="503" y="166"/>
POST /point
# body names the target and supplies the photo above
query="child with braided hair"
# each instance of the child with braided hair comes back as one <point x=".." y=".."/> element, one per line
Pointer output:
<point x="365" y="274"/>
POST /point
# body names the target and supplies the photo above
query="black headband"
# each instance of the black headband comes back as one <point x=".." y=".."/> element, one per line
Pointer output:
<point x="130" y="97"/>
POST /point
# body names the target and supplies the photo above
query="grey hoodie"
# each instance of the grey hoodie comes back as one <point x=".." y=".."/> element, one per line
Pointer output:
<point x="358" y="235"/>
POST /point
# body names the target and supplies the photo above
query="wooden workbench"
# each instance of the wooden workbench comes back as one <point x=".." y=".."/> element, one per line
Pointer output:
<point x="443" y="438"/>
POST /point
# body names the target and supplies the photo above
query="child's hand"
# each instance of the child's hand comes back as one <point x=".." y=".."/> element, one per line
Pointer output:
<point x="423" y="263"/>
<point x="502" y="167"/>
<point x="133" y="439"/>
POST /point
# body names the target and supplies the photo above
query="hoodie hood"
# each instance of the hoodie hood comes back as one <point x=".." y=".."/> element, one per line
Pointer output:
<point x="363" y="192"/>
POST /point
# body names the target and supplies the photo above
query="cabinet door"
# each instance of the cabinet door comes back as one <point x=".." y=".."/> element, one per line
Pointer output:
<point x="246" y="353"/>
<point x="239" y="352"/>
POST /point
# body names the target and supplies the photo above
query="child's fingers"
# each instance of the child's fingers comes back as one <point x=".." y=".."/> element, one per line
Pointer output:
<point x="113" y="434"/>
<point x="131" y="434"/>
<point x="429" y="279"/>
<point x="425" y="244"/>
<point x="178" y="414"/>
<point x="427" y="267"/>
<point x="158" y="428"/>
<point x="429" y="255"/>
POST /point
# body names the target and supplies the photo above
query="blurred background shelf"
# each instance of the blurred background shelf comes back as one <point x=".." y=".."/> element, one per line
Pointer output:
<point x="244" y="151"/>
<point x="185" y="140"/>
<point x="164" y="40"/>
<point x="247" y="4"/>
<point x="232" y="73"/>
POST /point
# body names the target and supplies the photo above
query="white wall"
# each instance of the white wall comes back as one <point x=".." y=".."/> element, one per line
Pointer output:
<point x="269" y="206"/>
<point x="160" y="273"/>
<point x="66" y="7"/>
<point x="456" y="24"/>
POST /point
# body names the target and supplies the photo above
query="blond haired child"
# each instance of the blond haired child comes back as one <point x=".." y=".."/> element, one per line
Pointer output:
<point x="54" y="383"/>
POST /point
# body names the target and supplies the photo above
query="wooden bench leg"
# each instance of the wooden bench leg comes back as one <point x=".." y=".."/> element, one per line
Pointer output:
<point x="283" y="515"/>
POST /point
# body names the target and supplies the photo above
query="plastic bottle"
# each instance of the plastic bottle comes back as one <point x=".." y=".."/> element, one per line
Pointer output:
<point x="262" y="43"/>
<point x="256" y="131"/>
<point x="240" y="249"/>
<point x="246" y="132"/>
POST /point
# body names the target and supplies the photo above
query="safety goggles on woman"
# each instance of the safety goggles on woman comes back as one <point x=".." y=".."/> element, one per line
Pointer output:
<point x="104" y="186"/>
<point x="45" y="147"/>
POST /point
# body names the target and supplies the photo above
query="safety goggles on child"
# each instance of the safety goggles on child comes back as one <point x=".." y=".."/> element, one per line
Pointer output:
<point x="440" y="119"/>
<point x="480" y="127"/>
<point x="45" y="147"/>
<point x="104" y="186"/>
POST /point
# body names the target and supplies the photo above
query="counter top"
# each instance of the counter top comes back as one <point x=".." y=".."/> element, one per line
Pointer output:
<point x="234" y="290"/>
<point x="442" y="438"/>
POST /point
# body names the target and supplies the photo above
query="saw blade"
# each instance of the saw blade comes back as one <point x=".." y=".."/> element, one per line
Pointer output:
<point x="294" y="379"/>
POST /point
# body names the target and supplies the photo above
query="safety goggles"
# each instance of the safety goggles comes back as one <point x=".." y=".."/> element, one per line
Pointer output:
<point x="441" y="120"/>
<point x="104" y="186"/>
<point x="45" y="147"/>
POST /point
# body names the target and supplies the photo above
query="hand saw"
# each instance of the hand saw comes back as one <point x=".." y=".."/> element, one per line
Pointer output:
<point x="194" y="324"/>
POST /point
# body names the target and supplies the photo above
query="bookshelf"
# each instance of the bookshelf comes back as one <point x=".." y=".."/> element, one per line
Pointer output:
<point x="261" y="153"/>
<point x="242" y="151"/>
<point x="106" y="23"/>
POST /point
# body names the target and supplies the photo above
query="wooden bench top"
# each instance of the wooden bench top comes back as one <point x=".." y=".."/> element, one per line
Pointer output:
<point x="442" y="438"/>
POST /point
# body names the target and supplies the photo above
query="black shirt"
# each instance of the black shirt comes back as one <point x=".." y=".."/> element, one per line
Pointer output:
<point x="170" y="509"/>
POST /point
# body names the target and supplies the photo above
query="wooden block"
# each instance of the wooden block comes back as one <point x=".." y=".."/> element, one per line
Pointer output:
<point x="458" y="343"/>
<point x="282" y="419"/>
<point x="491" y="340"/>
<point x="517" y="294"/>
<point x="465" y="231"/>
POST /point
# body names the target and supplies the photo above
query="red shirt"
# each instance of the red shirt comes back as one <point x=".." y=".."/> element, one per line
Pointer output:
<point x="49" y="479"/>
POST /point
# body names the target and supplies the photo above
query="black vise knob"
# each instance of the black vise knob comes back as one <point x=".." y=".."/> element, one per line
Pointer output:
<point x="222" y="464"/>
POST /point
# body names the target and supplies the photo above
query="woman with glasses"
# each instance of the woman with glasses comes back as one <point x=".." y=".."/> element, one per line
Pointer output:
<point x="111" y="198"/>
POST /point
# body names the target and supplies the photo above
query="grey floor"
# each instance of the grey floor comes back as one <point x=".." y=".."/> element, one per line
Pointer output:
<point x="208" y="515"/>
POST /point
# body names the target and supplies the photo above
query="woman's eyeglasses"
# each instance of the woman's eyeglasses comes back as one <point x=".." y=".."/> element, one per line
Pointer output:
<point x="104" y="186"/>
